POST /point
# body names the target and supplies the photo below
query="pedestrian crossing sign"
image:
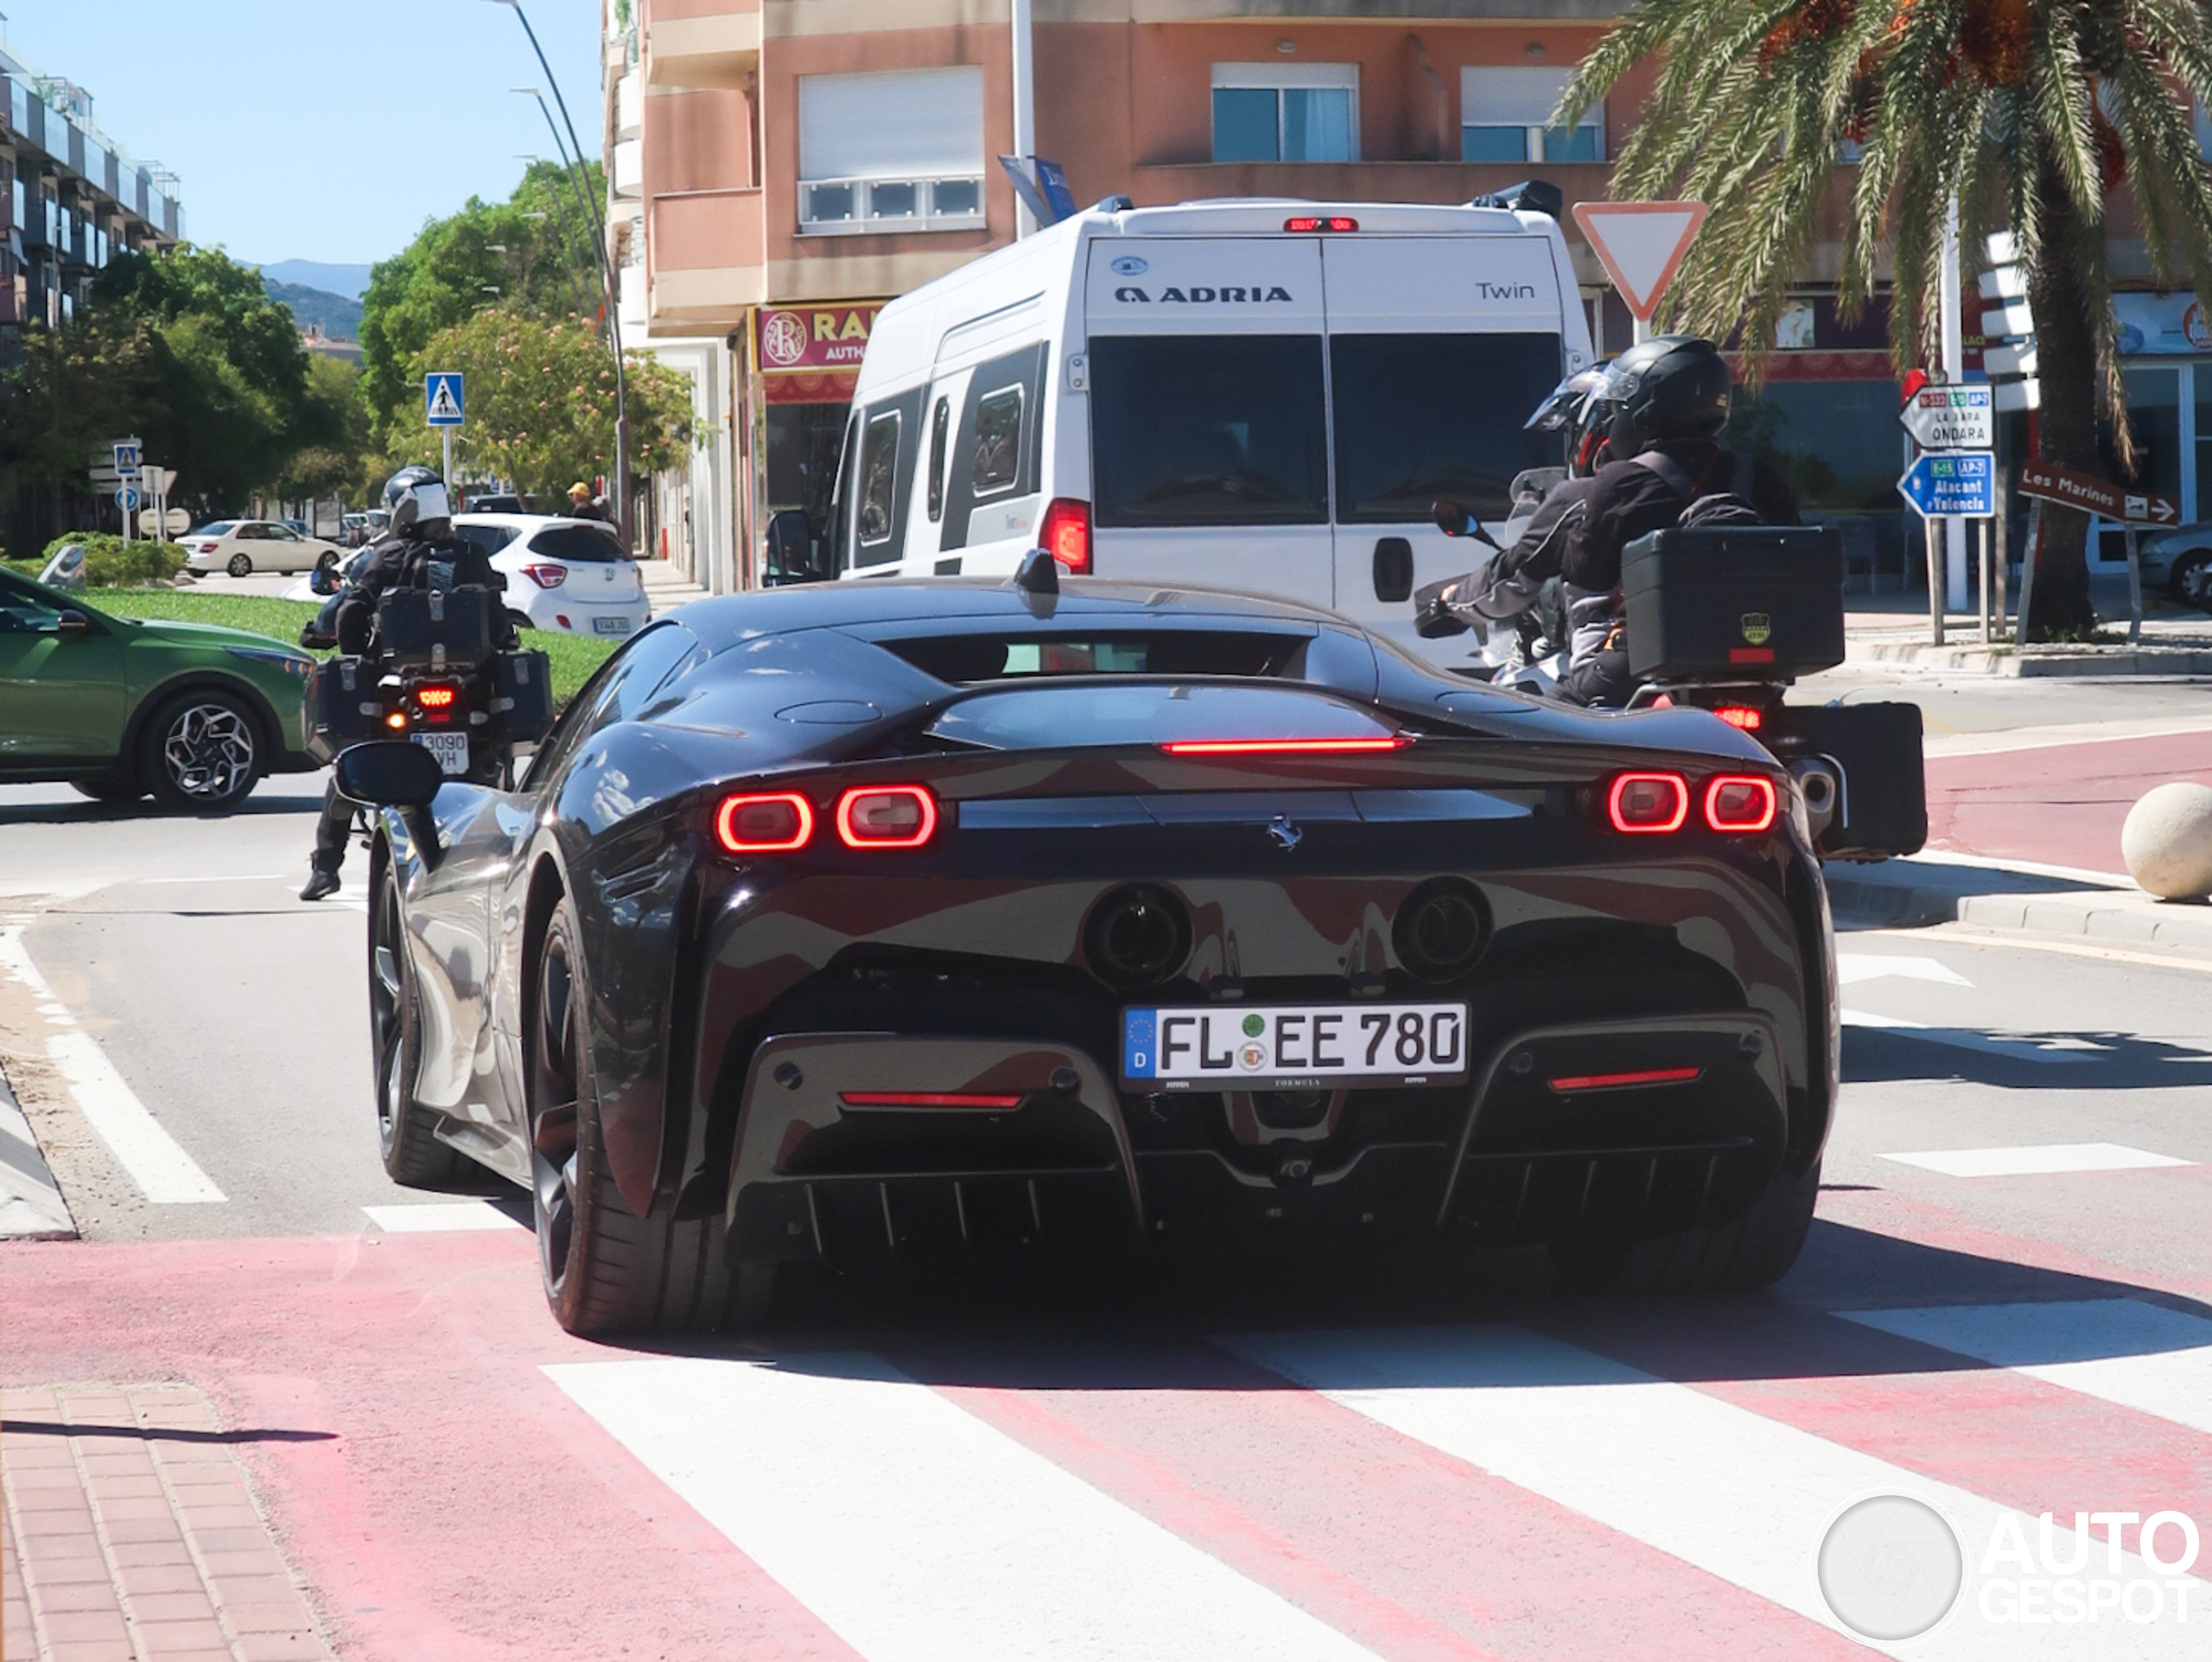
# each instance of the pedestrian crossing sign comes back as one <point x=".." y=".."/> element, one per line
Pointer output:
<point x="442" y="399"/>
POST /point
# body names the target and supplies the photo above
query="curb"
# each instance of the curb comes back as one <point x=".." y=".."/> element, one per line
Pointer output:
<point x="1911" y="894"/>
<point x="31" y="1206"/>
<point x="2036" y="661"/>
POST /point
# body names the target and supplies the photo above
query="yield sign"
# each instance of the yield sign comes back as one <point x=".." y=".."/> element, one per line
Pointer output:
<point x="1640" y="245"/>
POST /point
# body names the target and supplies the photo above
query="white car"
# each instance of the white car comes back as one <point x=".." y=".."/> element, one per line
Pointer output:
<point x="570" y="576"/>
<point x="243" y="547"/>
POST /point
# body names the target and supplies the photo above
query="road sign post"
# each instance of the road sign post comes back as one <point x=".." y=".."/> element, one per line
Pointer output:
<point x="1641" y="245"/>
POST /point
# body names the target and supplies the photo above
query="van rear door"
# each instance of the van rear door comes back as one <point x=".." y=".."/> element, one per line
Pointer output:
<point x="1440" y="348"/>
<point x="1209" y="424"/>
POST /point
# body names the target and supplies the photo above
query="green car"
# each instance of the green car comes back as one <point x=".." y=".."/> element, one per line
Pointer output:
<point x="194" y="713"/>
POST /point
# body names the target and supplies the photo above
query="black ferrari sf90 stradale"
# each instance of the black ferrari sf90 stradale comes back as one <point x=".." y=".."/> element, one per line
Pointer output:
<point x="883" y="922"/>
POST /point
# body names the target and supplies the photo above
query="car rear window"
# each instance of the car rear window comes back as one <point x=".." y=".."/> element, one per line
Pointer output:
<point x="577" y="544"/>
<point x="1058" y="716"/>
<point x="486" y="539"/>
<point x="219" y="528"/>
<point x="1208" y="431"/>
<point x="968" y="658"/>
<point x="1420" y="416"/>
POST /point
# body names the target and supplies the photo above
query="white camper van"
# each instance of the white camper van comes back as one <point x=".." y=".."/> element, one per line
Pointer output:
<point x="1266" y="396"/>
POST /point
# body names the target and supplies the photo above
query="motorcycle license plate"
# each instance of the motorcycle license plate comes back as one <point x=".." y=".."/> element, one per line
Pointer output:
<point x="611" y="625"/>
<point x="1289" y="1047"/>
<point x="450" y="748"/>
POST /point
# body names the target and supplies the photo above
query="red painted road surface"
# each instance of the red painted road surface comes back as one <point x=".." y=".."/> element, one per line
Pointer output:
<point x="443" y="1498"/>
<point x="2060" y="806"/>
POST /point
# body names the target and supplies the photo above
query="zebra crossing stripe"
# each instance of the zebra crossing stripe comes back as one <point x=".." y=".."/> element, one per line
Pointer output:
<point x="2156" y="1360"/>
<point x="1743" y="1497"/>
<point x="916" y="1532"/>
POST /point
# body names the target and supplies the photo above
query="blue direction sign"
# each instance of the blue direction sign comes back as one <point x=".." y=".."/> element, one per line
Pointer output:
<point x="1962" y="485"/>
<point x="442" y="400"/>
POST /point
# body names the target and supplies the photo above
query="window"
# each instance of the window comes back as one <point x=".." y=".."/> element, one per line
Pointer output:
<point x="965" y="658"/>
<point x="1410" y="430"/>
<point x="1286" y="113"/>
<point x="1505" y="116"/>
<point x="1208" y="431"/>
<point x="878" y="479"/>
<point x="892" y="152"/>
<point x="577" y="544"/>
<point x="997" y="461"/>
<point x="939" y="419"/>
<point x="1049" y="717"/>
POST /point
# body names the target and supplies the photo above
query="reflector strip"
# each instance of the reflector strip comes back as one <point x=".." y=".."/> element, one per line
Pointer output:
<point x="1750" y="654"/>
<point x="930" y="1098"/>
<point x="1278" y="746"/>
<point x="1622" y="1081"/>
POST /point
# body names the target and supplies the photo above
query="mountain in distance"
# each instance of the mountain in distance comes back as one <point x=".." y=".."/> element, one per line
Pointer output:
<point x="339" y="317"/>
<point x="352" y="281"/>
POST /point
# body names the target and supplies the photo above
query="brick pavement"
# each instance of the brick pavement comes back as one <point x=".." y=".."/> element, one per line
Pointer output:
<point x="131" y="1531"/>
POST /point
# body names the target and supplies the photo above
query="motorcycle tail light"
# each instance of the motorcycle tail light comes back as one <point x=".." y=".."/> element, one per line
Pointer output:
<point x="436" y="702"/>
<point x="1742" y="715"/>
<point x="772" y="824"/>
<point x="1740" y="802"/>
<point x="886" y="817"/>
<point x="1645" y="803"/>
<point x="397" y="720"/>
<point x="546" y="576"/>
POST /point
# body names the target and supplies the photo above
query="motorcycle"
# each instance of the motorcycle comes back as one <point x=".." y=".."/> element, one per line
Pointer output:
<point x="1725" y="619"/>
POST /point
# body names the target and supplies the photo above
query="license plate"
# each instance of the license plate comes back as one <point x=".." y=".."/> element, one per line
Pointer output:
<point x="611" y="625"/>
<point x="450" y="748"/>
<point x="1279" y="1047"/>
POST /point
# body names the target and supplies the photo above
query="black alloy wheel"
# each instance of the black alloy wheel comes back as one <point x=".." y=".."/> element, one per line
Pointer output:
<point x="555" y="1087"/>
<point x="201" y="753"/>
<point x="406" y="1138"/>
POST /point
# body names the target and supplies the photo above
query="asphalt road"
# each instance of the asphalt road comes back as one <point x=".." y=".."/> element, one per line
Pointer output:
<point x="2005" y="1307"/>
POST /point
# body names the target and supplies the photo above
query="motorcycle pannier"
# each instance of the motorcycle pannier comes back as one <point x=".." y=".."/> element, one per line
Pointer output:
<point x="1733" y="603"/>
<point x="334" y="710"/>
<point x="436" y="629"/>
<point x="522" y="696"/>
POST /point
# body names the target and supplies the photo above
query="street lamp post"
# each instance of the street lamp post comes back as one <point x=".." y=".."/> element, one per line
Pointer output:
<point x="607" y="286"/>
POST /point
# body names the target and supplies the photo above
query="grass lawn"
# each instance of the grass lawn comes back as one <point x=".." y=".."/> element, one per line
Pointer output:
<point x="574" y="656"/>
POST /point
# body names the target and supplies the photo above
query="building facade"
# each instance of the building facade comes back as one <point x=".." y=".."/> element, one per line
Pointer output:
<point x="779" y="168"/>
<point x="72" y="199"/>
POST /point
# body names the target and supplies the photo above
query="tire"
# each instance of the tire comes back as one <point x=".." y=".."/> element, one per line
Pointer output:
<point x="109" y="789"/>
<point x="606" y="1269"/>
<point x="202" y="753"/>
<point x="519" y="621"/>
<point x="2191" y="581"/>
<point x="328" y="561"/>
<point x="1754" y="1252"/>
<point x="241" y="565"/>
<point x="406" y="1135"/>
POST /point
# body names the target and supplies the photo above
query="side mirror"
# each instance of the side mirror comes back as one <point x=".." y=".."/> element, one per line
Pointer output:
<point x="1453" y="519"/>
<point x="791" y="547"/>
<point x="72" y="626"/>
<point x="323" y="580"/>
<point x="389" y="773"/>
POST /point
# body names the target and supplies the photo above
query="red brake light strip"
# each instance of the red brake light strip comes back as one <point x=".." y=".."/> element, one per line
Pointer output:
<point x="1278" y="746"/>
<point x="930" y="1098"/>
<point x="1624" y="1081"/>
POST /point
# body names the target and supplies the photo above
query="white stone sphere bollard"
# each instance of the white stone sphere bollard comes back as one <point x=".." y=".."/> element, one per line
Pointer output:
<point x="2167" y="841"/>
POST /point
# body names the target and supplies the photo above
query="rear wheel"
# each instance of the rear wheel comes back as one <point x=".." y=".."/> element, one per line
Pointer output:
<point x="406" y="1135"/>
<point x="201" y="753"/>
<point x="241" y="565"/>
<point x="606" y="1269"/>
<point x="1756" y="1251"/>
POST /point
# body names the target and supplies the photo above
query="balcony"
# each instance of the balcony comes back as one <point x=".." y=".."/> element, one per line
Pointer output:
<point x="629" y="167"/>
<point x="629" y="101"/>
<point x="709" y="258"/>
<point x="702" y="43"/>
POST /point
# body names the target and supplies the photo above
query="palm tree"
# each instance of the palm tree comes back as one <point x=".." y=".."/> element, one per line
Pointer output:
<point x="2033" y="114"/>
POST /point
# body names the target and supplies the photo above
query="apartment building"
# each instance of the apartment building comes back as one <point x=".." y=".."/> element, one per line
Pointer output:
<point x="71" y="198"/>
<point x="779" y="169"/>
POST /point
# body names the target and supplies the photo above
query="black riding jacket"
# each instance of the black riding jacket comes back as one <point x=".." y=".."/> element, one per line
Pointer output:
<point x="1628" y="501"/>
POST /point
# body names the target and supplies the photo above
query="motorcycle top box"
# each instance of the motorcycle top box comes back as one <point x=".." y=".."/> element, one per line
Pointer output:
<point x="436" y="629"/>
<point x="1733" y="603"/>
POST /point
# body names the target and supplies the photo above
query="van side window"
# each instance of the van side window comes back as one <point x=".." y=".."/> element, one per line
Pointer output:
<point x="938" y="422"/>
<point x="879" y="482"/>
<point x="997" y="462"/>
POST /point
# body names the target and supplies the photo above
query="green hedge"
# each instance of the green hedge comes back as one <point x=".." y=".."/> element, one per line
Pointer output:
<point x="111" y="563"/>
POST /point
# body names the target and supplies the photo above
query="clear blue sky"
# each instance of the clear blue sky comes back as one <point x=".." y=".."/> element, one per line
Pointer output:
<point x="322" y="130"/>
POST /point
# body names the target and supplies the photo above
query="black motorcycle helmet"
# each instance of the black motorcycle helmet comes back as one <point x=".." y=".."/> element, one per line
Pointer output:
<point x="1672" y="387"/>
<point x="1567" y="409"/>
<point x="415" y="497"/>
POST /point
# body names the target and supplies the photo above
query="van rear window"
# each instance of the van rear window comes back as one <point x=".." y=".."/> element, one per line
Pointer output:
<point x="1424" y="416"/>
<point x="1208" y="431"/>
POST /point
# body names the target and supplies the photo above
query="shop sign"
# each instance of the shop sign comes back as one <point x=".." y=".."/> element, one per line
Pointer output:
<point x="2151" y="325"/>
<point x="797" y="339"/>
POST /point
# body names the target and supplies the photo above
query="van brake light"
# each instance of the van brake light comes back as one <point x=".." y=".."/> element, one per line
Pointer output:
<point x="1320" y="222"/>
<point x="1064" y="533"/>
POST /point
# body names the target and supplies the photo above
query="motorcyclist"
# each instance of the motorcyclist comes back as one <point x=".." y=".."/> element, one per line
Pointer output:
<point x="1661" y="408"/>
<point x="1515" y="582"/>
<point x="418" y="550"/>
